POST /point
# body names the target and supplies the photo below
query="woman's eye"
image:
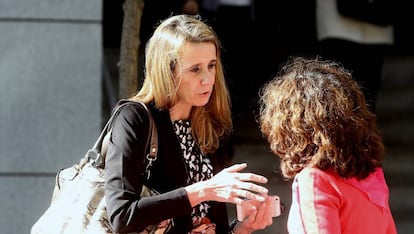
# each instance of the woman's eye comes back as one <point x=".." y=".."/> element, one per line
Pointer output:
<point x="212" y="65"/>
<point x="195" y="69"/>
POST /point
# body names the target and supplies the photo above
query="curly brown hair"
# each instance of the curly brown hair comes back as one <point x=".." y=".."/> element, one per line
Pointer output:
<point x="314" y="114"/>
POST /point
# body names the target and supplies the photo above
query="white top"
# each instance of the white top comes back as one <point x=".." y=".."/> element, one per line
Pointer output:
<point x="330" y="24"/>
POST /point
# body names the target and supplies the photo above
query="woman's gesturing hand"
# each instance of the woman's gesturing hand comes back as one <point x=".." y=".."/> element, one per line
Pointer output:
<point x="229" y="185"/>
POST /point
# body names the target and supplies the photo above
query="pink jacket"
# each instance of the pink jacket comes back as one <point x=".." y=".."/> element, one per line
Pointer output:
<point x="323" y="202"/>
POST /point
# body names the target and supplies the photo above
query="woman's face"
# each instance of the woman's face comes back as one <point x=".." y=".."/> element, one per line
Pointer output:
<point x="198" y="72"/>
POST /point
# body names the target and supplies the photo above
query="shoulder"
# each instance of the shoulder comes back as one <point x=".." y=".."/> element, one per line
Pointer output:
<point x="129" y="113"/>
<point x="130" y="109"/>
<point x="123" y="105"/>
<point x="310" y="172"/>
<point x="311" y="176"/>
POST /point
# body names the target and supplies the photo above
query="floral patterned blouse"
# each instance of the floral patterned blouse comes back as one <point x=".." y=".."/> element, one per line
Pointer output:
<point x="198" y="166"/>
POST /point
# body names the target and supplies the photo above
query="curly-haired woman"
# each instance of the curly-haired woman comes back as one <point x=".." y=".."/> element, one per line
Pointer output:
<point x="315" y="117"/>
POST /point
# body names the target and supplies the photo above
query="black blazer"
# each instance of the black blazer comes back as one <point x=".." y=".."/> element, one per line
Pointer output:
<point x="124" y="168"/>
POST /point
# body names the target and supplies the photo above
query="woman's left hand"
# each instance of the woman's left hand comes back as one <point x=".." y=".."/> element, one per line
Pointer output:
<point x="256" y="219"/>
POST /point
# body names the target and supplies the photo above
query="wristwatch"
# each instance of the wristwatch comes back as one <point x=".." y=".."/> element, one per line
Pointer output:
<point x="233" y="225"/>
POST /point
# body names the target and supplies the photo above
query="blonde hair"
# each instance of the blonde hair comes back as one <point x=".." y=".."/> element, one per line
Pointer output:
<point x="315" y="115"/>
<point x="210" y="122"/>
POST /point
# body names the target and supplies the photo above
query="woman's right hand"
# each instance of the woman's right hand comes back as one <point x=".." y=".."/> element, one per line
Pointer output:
<point x="253" y="220"/>
<point x="229" y="185"/>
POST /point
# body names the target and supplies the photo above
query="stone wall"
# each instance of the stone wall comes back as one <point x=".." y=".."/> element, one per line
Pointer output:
<point x="50" y="99"/>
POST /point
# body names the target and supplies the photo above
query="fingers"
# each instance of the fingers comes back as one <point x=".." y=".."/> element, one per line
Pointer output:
<point x="236" y="167"/>
<point x="264" y="213"/>
<point x="252" y="177"/>
<point x="252" y="187"/>
<point x="247" y="176"/>
<point x="238" y="196"/>
<point x="256" y="197"/>
<point x="246" y="194"/>
<point x="231" y="185"/>
<point x="250" y="190"/>
<point x="261" y="217"/>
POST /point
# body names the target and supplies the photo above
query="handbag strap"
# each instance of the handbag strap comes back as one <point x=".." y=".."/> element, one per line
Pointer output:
<point x="98" y="152"/>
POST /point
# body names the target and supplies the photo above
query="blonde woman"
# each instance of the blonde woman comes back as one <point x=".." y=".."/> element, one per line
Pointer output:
<point x="185" y="91"/>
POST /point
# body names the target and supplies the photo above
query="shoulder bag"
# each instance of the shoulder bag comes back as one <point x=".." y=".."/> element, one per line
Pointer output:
<point x="78" y="202"/>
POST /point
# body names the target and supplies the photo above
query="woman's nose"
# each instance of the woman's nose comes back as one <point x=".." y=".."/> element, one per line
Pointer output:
<point x="207" y="78"/>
